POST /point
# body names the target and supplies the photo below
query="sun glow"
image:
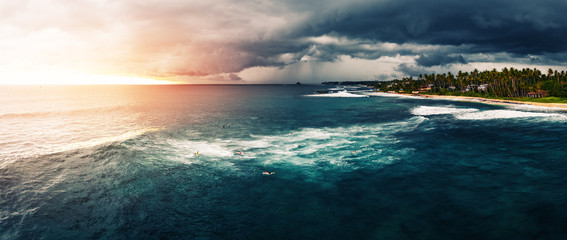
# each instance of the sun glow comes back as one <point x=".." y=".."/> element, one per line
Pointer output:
<point x="66" y="77"/>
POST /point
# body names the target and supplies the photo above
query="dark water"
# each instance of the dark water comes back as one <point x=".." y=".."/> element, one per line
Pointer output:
<point x="120" y="163"/>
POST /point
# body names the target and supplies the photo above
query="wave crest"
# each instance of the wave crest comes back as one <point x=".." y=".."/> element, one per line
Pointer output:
<point x="343" y="94"/>
<point x="477" y="114"/>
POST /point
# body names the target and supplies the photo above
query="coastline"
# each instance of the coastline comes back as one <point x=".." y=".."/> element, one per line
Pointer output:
<point x="557" y="106"/>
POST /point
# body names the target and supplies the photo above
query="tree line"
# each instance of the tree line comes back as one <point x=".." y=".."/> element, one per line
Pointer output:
<point x="507" y="83"/>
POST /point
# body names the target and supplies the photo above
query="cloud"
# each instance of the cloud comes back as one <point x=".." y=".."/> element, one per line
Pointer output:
<point x="429" y="60"/>
<point x="493" y="26"/>
<point x="234" y="77"/>
<point x="156" y="38"/>
<point x="440" y="33"/>
<point x="196" y="39"/>
<point x="344" y="68"/>
<point x="411" y="70"/>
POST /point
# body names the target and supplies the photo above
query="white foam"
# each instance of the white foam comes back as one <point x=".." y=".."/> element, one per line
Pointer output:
<point x="16" y="151"/>
<point x="430" y="110"/>
<point x="99" y="141"/>
<point x="534" y="108"/>
<point x="393" y="95"/>
<point x="476" y="114"/>
<point x="189" y="148"/>
<point x="334" y="145"/>
<point x="314" y="133"/>
<point x="512" y="105"/>
<point x="258" y="143"/>
<point x="346" y="148"/>
<point x="504" y="114"/>
<point x="337" y="94"/>
<point x="352" y="86"/>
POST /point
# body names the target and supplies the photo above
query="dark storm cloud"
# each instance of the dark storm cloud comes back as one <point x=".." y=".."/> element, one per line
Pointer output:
<point x="428" y="60"/>
<point x="199" y="38"/>
<point x="234" y="77"/>
<point x="491" y="26"/>
<point x="410" y="70"/>
<point x="510" y="30"/>
<point x="384" y="77"/>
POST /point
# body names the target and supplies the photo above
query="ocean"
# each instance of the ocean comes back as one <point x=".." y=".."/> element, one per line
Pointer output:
<point x="275" y="162"/>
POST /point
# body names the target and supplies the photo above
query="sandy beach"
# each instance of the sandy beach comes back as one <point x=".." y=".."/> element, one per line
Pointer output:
<point x="561" y="106"/>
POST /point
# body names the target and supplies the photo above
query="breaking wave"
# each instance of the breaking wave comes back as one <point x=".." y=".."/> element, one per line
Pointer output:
<point x="345" y="148"/>
<point x="476" y="114"/>
<point x="344" y="94"/>
<point x="393" y="95"/>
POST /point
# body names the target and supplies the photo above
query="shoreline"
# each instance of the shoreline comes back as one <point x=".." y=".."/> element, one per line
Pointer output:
<point x="558" y="106"/>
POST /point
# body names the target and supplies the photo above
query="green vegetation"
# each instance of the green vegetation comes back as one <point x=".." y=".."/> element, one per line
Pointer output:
<point x="513" y="84"/>
<point x="544" y="100"/>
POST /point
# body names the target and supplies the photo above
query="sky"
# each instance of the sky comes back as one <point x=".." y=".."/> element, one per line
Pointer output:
<point x="257" y="41"/>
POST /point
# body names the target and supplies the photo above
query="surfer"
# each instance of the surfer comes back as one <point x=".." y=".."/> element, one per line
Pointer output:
<point x="269" y="173"/>
<point x="240" y="153"/>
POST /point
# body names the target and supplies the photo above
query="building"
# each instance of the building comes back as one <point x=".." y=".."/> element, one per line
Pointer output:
<point x="424" y="88"/>
<point x="482" y="87"/>
<point x="538" y="94"/>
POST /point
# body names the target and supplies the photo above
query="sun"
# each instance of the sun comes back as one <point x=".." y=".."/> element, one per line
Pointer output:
<point x="54" y="76"/>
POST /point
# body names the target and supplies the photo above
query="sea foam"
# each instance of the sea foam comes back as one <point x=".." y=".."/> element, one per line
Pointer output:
<point x="346" y="148"/>
<point x="392" y="95"/>
<point x="343" y="94"/>
<point x="430" y="110"/>
<point x="505" y="114"/>
<point x="476" y="114"/>
<point x="15" y="150"/>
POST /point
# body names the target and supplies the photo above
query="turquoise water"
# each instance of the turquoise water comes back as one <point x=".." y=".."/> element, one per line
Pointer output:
<point x="119" y="162"/>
